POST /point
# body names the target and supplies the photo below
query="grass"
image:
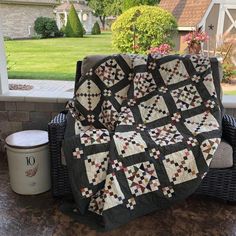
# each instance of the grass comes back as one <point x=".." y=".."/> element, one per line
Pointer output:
<point x="229" y="92"/>
<point x="53" y="59"/>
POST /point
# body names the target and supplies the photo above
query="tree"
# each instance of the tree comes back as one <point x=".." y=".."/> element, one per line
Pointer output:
<point x="74" y="27"/>
<point x="132" y="3"/>
<point x="142" y="27"/>
<point x="104" y="8"/>
<point x="115" y="8"/>
<point x="99" y="10"/>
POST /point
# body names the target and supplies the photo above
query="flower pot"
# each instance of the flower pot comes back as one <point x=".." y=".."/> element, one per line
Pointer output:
<point x="195" y="48"/>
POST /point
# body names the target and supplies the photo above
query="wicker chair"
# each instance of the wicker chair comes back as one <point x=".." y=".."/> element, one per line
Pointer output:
<point x="219" y="183"/>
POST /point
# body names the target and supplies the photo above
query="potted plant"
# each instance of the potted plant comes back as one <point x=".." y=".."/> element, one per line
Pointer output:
<point x="194" y="40"/>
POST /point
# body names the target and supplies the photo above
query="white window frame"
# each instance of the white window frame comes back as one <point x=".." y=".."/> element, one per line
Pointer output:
<point x="4" y="87"/>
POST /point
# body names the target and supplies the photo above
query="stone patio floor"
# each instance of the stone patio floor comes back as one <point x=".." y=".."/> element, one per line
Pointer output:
<point x="39" y="215"/>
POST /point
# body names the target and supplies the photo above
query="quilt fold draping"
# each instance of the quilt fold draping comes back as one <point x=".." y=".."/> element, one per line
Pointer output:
<point x="143" y="131"/>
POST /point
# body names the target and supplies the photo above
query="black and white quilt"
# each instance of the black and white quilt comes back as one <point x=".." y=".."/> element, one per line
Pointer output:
<point x="145" y="132"/>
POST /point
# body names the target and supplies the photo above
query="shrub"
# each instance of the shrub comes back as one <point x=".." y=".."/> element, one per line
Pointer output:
<point x="228" y="72"/>
<point x="7" y="38"/>
<point x="74" y="27"/>
<point x="96" y="29"/>
<point x="46" y="27"/>
<point x="143" y="27"/>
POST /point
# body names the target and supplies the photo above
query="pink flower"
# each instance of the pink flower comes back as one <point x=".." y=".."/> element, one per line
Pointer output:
<point x="162" y="49"/>
<point x="196" y="36"/>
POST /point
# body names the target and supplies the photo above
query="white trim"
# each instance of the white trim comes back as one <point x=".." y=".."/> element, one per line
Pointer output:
<point x="221" y="20"/>
<point x="203" y="21"/>
<point x="3" y="66"/>
<point x="228" y="6"/>
<point x="187" y="28"/>
<point x="225" y="2"/>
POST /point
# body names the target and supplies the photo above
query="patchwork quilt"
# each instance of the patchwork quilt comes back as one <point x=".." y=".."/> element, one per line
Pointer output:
<point x="144" y="133"/>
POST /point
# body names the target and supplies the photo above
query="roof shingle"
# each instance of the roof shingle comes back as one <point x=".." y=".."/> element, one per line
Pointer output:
<point x="188" y="13"/>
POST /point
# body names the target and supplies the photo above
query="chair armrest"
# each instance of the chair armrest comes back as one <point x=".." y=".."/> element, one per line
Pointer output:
<point x="229" y="130"/>
<point x="59" y="173"/>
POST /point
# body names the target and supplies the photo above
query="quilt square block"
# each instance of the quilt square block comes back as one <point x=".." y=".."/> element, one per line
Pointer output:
<point x="143" y="84"/>
<point x="186" y="97"/>
<point x="153" y="109"/>
<point x="168" y="191"/>
<point x="173" y="72"/>
<point x="142" y="178"/>
<point x="180" y="166"/>
<point x="129" y="143"/>
<point x="88" y="94"/>
<point x="209" y="84"/>
<point x="94" y="137"/>
<point x="166" y="135"/>
<point x="110" y="72"/>
<point x="126" y="117"/>
<point x="108" y="197"/>
<point x="200" y="63"/>
<point x="96" y="167"/>
<point x="208" y="148"/>
<point x="109" y="115"/>
<point x="204" y="122"/>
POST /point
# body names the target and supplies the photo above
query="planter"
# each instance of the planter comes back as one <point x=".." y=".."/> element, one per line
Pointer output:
<point x="195" y="48"/>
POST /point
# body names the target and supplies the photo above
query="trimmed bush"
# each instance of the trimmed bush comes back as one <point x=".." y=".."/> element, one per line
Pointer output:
<point x="143" y="27"/>
<point x="46" y="27"/>
<point x="96" y="29"/>
<point x="74" y="27"/>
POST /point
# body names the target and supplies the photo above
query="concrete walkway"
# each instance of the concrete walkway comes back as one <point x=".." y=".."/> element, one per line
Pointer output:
<point x="43" y="90"/>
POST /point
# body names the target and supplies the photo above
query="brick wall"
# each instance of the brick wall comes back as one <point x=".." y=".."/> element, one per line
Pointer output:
<point x="17" y="116"/>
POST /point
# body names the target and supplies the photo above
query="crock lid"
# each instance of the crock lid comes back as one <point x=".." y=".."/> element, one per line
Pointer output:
<point x="27" y="139"/>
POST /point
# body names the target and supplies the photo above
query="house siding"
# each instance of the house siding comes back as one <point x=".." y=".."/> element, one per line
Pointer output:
<point x="180" y="45"/>
<point x="18" y="18"/>
<point x="228" y="22"/>
<point x="212" y="19"/>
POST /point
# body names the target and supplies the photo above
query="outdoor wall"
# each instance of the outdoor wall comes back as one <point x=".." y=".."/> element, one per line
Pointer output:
<point x="212" y="20"/>
<point x="228" y="22"/>
<point x="180" y="45"/>
<point x="17" y="116"/>
<point x="17" y="19"/>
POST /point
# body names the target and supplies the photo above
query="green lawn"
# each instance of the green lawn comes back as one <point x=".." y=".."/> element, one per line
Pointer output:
<point x="229" y="92"/>
<point x="53" y="59"/>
